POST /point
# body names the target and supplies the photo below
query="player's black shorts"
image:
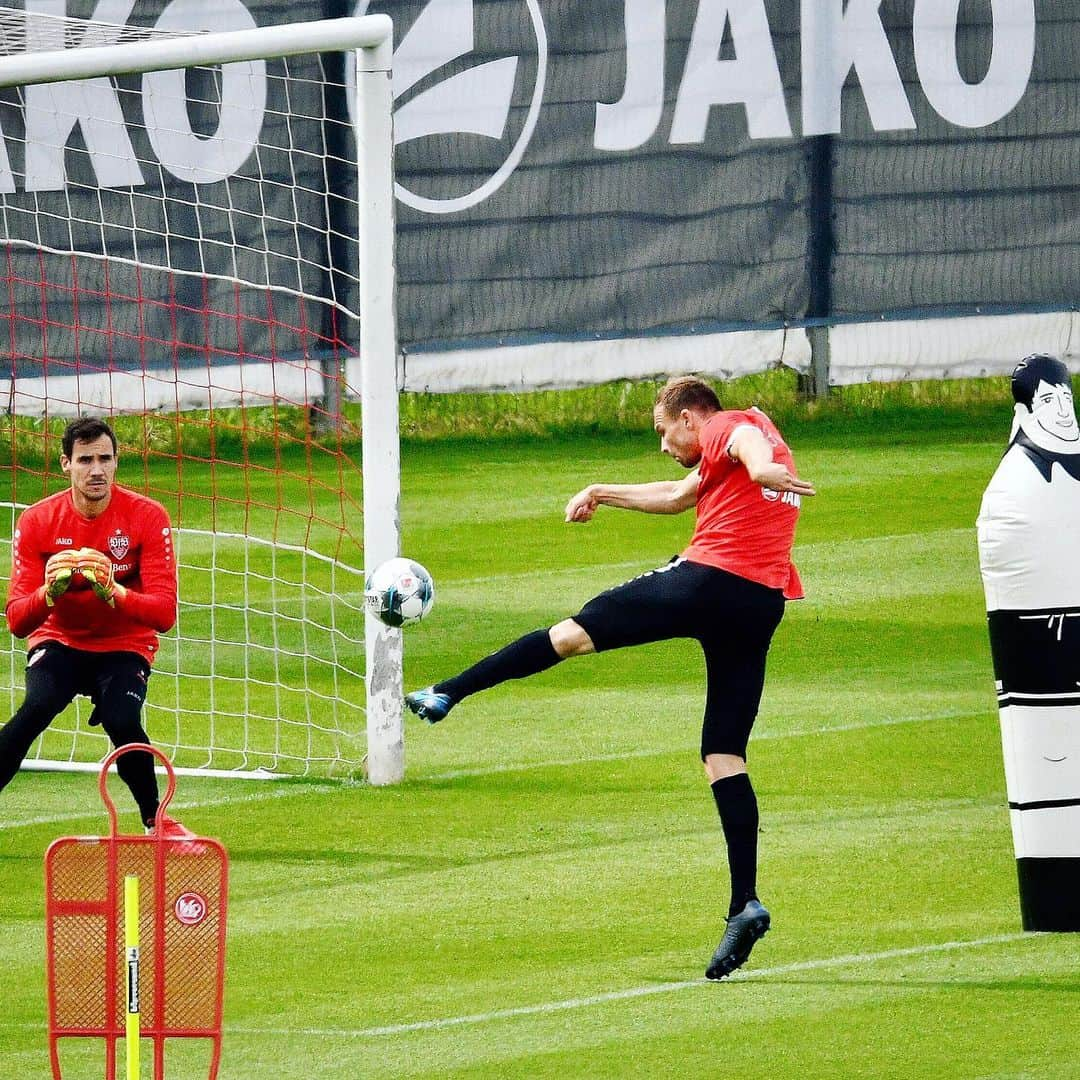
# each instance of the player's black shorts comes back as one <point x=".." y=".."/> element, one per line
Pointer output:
<point x="116" y="682"/>
<point x="733" y="618"/>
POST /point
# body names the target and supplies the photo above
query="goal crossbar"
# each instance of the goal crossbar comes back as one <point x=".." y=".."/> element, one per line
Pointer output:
<point x="189" y="50"/>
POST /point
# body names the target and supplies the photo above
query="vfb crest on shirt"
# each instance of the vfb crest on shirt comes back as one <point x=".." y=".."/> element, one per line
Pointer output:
<point x="119" y="544"/>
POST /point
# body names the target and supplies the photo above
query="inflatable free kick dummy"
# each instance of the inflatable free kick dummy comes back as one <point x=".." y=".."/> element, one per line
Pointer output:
<point x="1029" y="554"/>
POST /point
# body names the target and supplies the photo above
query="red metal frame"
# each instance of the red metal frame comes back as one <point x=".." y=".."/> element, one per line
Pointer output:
<point x="76" y="863"/>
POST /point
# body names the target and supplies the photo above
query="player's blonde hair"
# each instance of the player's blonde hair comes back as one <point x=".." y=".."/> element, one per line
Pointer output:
<point x="687" y="392"/>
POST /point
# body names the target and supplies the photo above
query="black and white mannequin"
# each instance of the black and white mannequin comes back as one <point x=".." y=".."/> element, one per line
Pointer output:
<point x="1029" y="555"/>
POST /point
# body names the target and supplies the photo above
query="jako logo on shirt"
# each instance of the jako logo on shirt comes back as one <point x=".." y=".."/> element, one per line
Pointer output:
<point x="787" y="498"/>
<point x="462" y="101"/>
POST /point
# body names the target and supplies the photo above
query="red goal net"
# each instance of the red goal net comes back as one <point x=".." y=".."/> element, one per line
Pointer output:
<point x="202" y="294"/>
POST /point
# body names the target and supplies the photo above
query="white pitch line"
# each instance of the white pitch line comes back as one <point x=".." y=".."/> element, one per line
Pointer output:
<point x="629" y="994"/>
<point x="284" y="792"/>
<point x="628" y="755"/>
<point x="644" y="565"/>
<point x="488" y="770"/>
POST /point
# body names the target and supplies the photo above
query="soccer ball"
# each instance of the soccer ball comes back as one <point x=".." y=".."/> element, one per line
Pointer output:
<point x="399" y="592"/>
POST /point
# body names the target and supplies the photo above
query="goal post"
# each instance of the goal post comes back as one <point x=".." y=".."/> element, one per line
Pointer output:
<point x="207" y="294"/>
<point x="381" y="452"/>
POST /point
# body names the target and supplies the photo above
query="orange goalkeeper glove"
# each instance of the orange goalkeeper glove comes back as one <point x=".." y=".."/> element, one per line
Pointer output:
<point x="58" y="571"/>
<point x="99" y="572"/>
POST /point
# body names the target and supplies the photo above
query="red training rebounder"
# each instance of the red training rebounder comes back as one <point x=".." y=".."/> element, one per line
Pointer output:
<point x="181" y="929"/>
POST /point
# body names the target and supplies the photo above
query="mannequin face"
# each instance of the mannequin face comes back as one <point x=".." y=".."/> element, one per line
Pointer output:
<point x="1052" y="410"/>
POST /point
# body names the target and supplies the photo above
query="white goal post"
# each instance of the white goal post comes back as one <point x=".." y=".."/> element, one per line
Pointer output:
<point x="40" y="49"/>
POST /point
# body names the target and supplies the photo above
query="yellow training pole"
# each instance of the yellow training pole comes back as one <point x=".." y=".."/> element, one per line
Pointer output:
<point x="131" y="948"/>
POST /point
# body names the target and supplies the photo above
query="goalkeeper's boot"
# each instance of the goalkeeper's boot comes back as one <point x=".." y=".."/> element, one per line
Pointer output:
<point x="742" y="931"/>
<point x="429" y="705"/>
<point x="168" y="828"/>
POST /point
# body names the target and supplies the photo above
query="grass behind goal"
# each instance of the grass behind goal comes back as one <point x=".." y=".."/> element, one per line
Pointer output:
<point x="264" y="668"/>
<point x="540" y="897"/>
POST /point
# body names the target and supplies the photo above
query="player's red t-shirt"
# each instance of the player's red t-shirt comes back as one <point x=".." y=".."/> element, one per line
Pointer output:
<point x="134" y="532"/>
<point x="742" y="527"/>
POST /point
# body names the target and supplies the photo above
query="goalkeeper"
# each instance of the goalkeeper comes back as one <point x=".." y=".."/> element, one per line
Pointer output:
<point x="93" y="583"/>
<point x="727" y="590"/>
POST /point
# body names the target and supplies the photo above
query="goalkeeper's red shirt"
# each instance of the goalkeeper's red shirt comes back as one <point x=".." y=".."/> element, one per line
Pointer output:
<point x="134" y="532"/>
<point x="742" y="527"/>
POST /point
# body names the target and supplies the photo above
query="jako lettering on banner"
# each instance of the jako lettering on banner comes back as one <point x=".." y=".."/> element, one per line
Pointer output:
<point x="835" y="40"/>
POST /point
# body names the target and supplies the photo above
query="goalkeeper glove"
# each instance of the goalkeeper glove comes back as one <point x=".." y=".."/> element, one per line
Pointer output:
<point x="58" y="571"/>
<point x="98" y="571"/>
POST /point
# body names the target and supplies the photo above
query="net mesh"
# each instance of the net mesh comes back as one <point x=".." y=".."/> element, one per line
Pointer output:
<point x="180" y="255"/>
<point x="23" y="31"/>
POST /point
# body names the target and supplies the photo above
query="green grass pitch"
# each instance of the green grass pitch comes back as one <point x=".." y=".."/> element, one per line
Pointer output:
<point x="539" y="899"/>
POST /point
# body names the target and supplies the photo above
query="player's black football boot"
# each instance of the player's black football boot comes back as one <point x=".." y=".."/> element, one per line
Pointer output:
<point x="742" y="931"/>
<point x="429" y="705"/>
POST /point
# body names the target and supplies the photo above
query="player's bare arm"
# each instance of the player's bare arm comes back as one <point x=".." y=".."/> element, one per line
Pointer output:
<point x="749" y="446"/>
<point x="657" y="497"/>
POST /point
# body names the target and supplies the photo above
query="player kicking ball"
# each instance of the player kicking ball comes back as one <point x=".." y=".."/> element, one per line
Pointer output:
<point x="727" y="590"/>
<point x="93" y="583"/>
